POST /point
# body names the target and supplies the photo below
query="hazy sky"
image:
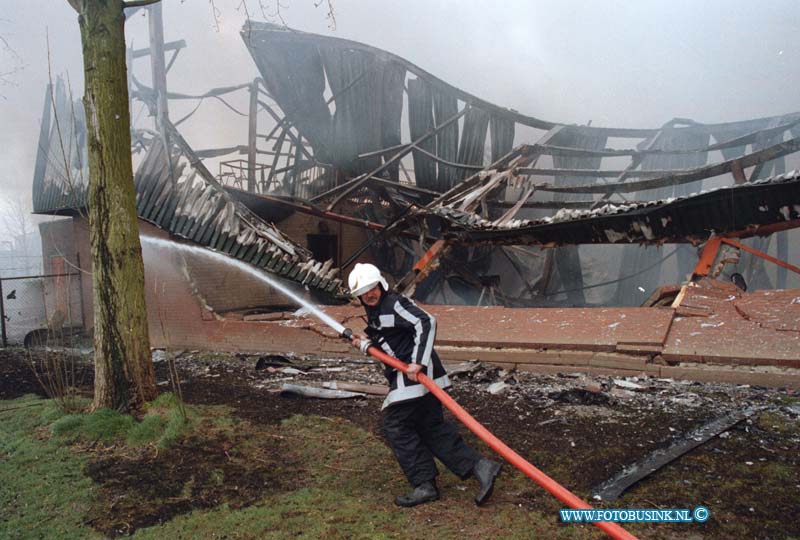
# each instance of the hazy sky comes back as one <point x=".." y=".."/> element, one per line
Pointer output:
<point x="634" y="63"/>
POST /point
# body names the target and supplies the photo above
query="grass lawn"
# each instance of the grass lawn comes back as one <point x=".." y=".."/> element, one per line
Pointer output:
<point x="66" y="476"/>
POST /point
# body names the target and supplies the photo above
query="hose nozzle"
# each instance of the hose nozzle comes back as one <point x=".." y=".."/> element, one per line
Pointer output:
<point x="347" y="334"/>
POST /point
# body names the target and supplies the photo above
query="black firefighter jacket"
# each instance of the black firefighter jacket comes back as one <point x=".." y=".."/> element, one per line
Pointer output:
<point x="403" y="330"/>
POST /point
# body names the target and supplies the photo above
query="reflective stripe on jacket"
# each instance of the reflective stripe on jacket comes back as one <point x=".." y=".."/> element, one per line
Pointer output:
<point x="407" y="332"/>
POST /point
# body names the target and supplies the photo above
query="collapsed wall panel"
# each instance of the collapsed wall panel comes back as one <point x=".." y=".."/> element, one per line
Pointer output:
<point x="473" y="139"/>
<point x="180" y="197"/>
<point x="420" y="119"/>
<point x="445" y="106"/>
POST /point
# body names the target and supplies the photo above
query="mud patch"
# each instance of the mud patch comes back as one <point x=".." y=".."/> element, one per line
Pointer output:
<point x="748" y="478"/>
<point x="234" y="386"/>
<point x="197" y="473"/>
<point x="17" y="377"/>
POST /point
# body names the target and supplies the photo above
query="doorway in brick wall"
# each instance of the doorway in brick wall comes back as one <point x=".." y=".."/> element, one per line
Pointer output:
<point x="324" y="247"/>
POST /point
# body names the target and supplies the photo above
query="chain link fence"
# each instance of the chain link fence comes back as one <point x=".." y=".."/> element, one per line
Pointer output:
<point x="36" y="308"/>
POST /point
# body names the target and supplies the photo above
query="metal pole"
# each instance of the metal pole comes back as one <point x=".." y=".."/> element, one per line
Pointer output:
<point x="3" y="315"/>
<point x="158" y="70"/>
<point x="157" y="67"/>
<point x="251" y="137"/>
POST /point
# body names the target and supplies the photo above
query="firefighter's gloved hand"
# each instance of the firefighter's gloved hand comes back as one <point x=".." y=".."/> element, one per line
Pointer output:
<point x="361" y="343"/>
<point x="413" y="369"/>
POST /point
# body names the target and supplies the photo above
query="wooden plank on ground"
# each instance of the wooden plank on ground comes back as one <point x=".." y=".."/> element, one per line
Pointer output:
<point x="373" y="389"/>
<point x="612" y="488"/>
<point x="319" y="393"/>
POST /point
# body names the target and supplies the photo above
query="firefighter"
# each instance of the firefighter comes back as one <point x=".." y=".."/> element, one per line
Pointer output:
<point x="413" y="422"/>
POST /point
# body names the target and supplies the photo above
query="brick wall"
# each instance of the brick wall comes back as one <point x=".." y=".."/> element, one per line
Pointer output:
<point x="187" y="296"/>
<point x="64" y="295"/>
<point x="58" y="240"/>
<point x="223" y="287"/>
<point x="349" y="237"/>
<point x="81" y="232"/>
<point x="531" y="339"/>
<point x="181" y="291"/>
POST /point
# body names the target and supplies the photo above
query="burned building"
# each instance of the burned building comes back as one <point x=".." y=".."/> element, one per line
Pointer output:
<point x="366" y="156"/>
<point x="355" y="105"/>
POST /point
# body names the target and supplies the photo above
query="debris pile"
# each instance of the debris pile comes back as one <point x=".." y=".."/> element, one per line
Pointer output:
<point x="364" y="377"/>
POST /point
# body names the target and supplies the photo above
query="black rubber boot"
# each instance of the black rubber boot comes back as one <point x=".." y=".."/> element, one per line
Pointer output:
<point x="425" y="492"/>
<point x="485" y="471"/>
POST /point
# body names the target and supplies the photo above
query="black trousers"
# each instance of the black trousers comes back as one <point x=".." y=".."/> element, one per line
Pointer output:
<point x="417" y="431"/>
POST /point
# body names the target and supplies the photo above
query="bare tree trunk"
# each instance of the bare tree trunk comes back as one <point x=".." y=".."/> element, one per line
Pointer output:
<point x="124" y="374"/>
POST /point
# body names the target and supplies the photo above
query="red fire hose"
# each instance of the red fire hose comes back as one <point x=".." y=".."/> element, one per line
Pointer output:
<point x="555" y="489"/>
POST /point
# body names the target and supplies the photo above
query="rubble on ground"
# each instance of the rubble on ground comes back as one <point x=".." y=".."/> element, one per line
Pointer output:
<point x="590" y="394"/>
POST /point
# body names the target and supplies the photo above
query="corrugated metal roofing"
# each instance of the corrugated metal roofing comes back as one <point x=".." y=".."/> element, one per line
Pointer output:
<point x="190" y="204"/>
<point x="694" y="217"/>
<point x="187" y="201"/>
<point x="60" y="175"/>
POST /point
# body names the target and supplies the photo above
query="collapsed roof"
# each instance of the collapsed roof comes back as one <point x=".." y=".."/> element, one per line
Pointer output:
<point x="180" y="196"/>
<point x="187" y="201"/>
<point x="746" y="209"/>
<point x="473" y="182"/>
<point x="358" y="126"/>
<point x="345" y="108"/>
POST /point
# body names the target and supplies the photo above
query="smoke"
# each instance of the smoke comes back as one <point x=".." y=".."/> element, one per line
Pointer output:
<point x="631" y="64"/>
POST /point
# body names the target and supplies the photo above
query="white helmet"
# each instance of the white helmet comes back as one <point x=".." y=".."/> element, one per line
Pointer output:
<point x="364" y="277"/>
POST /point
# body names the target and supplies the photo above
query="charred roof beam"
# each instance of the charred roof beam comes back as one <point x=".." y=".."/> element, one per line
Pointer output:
<point x="684" y="177"/>
<point x="343" y="190"/>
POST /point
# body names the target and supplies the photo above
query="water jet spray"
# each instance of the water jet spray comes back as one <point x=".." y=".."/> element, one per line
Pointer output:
<point x="249" y="270"/>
